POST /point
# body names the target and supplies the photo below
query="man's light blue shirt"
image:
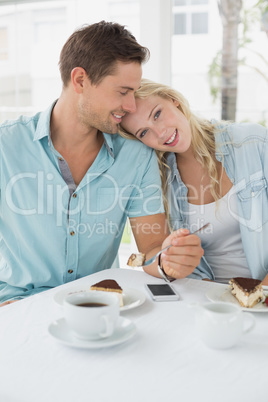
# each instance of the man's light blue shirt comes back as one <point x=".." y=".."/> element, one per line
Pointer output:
<point x="52" y="232"/>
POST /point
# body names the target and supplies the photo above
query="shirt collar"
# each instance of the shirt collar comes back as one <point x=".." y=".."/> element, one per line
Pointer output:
<point x="43" y="125"/>
<point x="43" y="129"/>
<point x="172" y="163"/>
<point x="108" y="141"/>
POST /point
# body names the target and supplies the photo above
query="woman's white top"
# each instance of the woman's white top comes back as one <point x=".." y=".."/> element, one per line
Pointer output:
<point x="221" y="240"/>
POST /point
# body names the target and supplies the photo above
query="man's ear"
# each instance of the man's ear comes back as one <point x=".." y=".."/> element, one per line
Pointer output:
<point x="78" y="77"/>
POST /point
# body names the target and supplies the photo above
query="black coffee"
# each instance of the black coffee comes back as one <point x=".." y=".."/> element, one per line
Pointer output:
<point x="92" y="304"/>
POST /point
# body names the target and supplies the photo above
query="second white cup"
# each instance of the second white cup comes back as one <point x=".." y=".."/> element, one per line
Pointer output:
<point x="221" y="325"/>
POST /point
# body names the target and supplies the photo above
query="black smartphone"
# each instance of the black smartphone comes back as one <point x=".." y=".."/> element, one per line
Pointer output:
<point x="162" y="292"/>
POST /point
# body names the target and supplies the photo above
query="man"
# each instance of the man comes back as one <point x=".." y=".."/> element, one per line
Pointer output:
<point x="67" y="187"/>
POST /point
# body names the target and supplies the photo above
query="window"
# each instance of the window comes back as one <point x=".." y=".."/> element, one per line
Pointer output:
<point x="31" y="37"/>
<point x="3" y="44"/>
<point x="180" y="24"/>
<point x="199" y="23"/>
<point x="190" y="17"/>
<point x="264" y="22"/>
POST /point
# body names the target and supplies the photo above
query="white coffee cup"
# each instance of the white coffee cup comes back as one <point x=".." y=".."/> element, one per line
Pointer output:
<point x="91" y="315"/>
<point x="221" y="325"/>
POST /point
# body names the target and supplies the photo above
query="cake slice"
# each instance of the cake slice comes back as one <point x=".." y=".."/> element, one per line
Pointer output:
<point x="109" y="285"/>
<point x="247" y="291"/>
<point x="136" y="260"/>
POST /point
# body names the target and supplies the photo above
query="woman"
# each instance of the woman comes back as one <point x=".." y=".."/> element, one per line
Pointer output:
<point x="211" y="172"/>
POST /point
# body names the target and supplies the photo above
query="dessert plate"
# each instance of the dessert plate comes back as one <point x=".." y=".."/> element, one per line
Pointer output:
<point x="224" y="294"/>
<point x="124" y="331"/>
<point x="131" y="297"/>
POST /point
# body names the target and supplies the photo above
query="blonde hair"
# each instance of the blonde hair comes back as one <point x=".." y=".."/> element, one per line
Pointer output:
<point x="203" y="140"/>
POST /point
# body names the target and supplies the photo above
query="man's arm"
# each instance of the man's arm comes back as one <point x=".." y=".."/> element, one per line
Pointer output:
<point x="7" y="302"/>
<point x="151" y="234"/>
<point x="265" y="280"/>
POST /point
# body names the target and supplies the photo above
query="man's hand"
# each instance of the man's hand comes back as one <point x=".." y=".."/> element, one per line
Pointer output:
<point x="180" y="260"/>
<point x="7" y="302"/>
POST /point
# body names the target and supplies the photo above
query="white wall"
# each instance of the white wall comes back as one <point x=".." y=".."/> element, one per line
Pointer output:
<point x="156" y="33"/>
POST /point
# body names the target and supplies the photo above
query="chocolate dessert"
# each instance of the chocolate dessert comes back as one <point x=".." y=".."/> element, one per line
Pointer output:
<point x="247" y="291"/>
<point x="136" y="260"/>
<point x="109" y="285"/>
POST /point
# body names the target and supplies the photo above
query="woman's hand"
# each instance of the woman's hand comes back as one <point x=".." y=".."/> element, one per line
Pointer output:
<point x="184" y="256"/>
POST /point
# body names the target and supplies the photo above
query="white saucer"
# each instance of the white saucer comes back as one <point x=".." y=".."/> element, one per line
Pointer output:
<point x="132" y="298"/>
<point x="59" y="330"/>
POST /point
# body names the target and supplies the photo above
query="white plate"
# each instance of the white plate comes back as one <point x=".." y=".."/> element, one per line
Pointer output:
<point x="224" y="294"/>
<point x="61" y="332"/>
<point x="131" y="297"/>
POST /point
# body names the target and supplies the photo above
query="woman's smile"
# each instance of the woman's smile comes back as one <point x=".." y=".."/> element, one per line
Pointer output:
<point x="173" y="140"/>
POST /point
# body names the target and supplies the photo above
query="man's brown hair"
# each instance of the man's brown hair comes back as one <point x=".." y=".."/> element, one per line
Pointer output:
<point x="96" y="48"/>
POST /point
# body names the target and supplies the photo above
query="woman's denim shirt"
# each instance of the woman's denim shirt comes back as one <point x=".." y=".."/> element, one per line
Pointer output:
<point x="242" y="149"/>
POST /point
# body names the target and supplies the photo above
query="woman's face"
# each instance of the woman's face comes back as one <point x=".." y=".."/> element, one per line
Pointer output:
<point x="159" y="124"/>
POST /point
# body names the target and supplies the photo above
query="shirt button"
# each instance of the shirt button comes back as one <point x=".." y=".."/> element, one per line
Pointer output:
<point x="72" y="233"/>
<point x="70" y="271"/>
<point x="61" y="159"/>
<point x="74" y="195"/>
<point x="252" y="193"/>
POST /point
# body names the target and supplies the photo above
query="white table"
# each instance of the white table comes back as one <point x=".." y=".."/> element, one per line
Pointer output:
<point x="164" y="361"/>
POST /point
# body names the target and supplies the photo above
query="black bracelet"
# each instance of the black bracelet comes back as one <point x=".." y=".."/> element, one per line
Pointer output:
<point x="161" y="271"/>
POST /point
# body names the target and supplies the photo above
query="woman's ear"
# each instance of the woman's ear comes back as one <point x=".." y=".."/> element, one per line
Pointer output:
<point x="176" y="103"/>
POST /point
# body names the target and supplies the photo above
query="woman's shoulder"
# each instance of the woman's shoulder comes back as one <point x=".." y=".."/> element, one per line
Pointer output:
<point x="240" y="132"/>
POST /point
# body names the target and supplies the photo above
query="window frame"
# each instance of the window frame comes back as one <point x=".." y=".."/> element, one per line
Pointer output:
<point x="188" y="10"/>
<point x="3" y="48"/>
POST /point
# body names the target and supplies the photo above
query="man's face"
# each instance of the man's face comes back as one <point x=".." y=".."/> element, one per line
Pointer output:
<point x="102" y="106"/>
